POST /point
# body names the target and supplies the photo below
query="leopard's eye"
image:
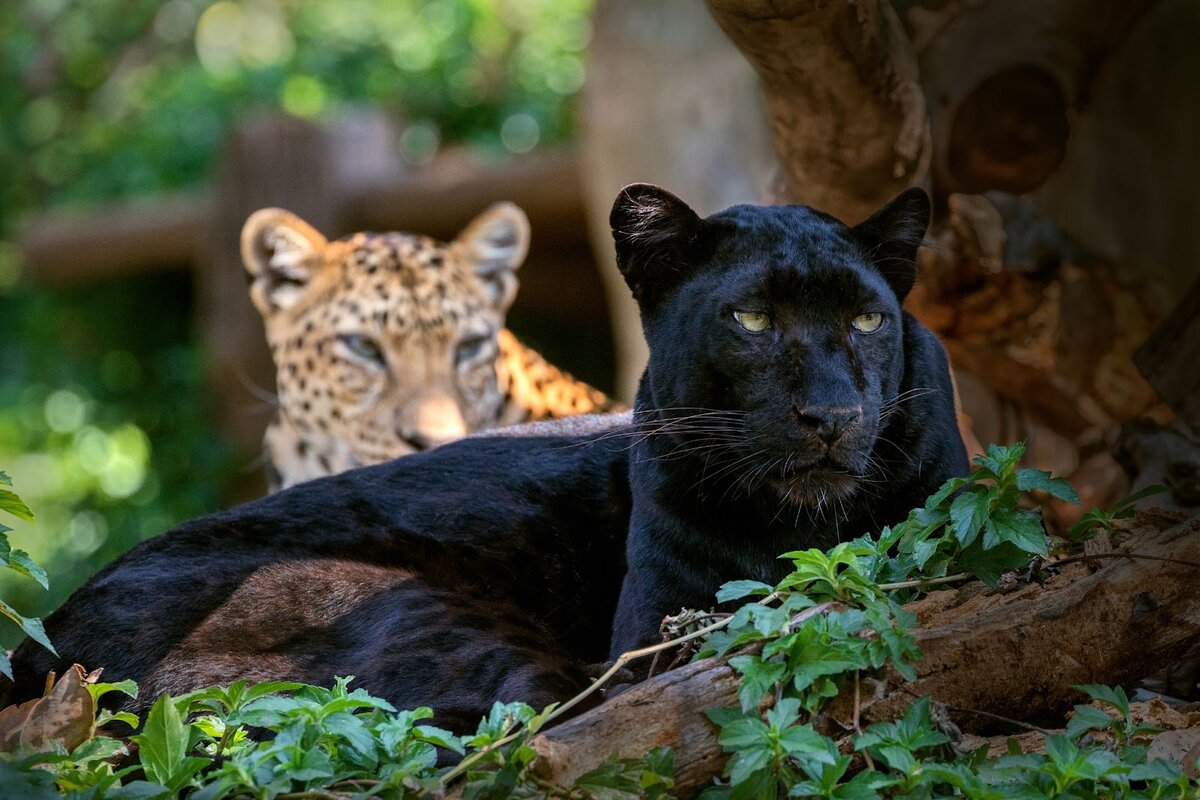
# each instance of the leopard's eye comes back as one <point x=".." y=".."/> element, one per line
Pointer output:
<point x="364" y="347"/>
<point x="471" y="349"/>
<point x="753" y="321"/>
<point x="868" y="323"/>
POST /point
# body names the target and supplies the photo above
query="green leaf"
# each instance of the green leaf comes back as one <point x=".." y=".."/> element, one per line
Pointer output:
<point x="14" y="505"/>
<point x="1128" y="502"/>
<point x="1109" y="695"/>
<point x="163" y="745"/>
<point x="1029" y="480"/>
<point x="1017" y="526"/>
<point x="998" y="462"/>
<point x="968" y="513"/>
<point x="1157" y="770"/>
<point x="989" y="565"/>
<point x="948" y="488"/>
<point x="31" y="625"/>
<point x="744" y="732"/>
<point x="758" y="678"/>
<point x="1087" y="718"/>
<point x="1085" y="523"/>
<point x="803" y="740"/>
<point x="128" y="688"/>
<point x="736" y="590"/>
<point x="26" y="784"/>
<point x="19" y="561"/>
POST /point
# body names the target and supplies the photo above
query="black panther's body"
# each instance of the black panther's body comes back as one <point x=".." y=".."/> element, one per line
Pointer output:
<point x="489" y="569"/>
<point x="479" y="571"/>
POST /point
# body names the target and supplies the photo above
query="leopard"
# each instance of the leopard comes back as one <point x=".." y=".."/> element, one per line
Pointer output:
<point x="789" y="402"/>
<point x="391" y="343"/>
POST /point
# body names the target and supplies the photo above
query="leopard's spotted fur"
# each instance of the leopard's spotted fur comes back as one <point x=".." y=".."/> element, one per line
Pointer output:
<point x="386" y="344"/>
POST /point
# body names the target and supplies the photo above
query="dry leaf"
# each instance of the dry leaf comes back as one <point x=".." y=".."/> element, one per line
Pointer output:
<point x="66" y="713"/>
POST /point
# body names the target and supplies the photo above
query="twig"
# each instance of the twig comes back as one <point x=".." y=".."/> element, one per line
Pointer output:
<point x="618" y="665"/>
<point x="979" y="713"/>
<point x="919" y="582"/>
<point x="855" y="720"/>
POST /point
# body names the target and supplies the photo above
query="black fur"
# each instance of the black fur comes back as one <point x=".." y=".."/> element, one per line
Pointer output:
<point x="801" y="435"/>
<point x="479" y="571"/>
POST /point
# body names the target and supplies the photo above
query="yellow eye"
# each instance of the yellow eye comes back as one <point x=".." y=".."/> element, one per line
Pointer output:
<point x="868" y="323"/>
<point x="753" y="321"/>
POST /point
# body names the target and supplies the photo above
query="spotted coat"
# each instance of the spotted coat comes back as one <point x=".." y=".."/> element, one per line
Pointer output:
<point x="386" y="344"/>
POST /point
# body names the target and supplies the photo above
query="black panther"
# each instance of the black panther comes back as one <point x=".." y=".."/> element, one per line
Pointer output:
<point x="788" y="402"/>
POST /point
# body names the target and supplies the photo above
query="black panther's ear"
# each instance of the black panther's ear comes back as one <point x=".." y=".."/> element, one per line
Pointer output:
<point x="652" y="229"/>
<point x="892" y="235"/>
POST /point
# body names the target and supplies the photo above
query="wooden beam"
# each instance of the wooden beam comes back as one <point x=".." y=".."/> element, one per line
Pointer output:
<point x="80" y="246"/>
<point x="439" y="202"/>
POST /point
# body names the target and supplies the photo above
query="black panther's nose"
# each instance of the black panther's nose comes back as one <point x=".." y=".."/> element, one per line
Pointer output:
<point x="828" y="422"/>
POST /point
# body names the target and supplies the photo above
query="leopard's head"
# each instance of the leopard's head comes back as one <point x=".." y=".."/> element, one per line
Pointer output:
<point x="777" y="339"/>
<point x="384" y="344"/>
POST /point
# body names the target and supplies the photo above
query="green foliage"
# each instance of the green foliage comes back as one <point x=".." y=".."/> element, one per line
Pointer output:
<point x="333" y="739"/>
<point x="19" y="562"/>
<point x="837" y="616"/>
<point x="1104" y="518"/>
<point x="975" y="524"/>
<point x="107" y="427"/>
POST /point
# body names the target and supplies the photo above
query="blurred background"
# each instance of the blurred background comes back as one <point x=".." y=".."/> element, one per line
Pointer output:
<point x="137" y="135"/>
<point x="108" y="423"/>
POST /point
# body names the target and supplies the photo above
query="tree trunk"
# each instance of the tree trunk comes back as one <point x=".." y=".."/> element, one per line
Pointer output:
<point x="842" y="93"/>
<point x="669" y="101"/>
<point x="1016" y="654"/>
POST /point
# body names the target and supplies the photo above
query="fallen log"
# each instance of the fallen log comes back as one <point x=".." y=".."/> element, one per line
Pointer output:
<point x="1112" y="618"/>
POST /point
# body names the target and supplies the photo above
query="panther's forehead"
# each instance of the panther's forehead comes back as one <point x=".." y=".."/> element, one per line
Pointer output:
<point x="400" y="283"/>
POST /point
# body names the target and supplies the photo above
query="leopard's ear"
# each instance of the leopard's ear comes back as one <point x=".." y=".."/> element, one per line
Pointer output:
<point x="653" y="231"/>
<point x="892" y="235"/>
<point x="281" y="253"/>
<point x="495" y="244"/>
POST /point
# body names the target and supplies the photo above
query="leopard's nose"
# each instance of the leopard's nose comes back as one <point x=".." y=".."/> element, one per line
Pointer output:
<point x="421" y="441"/>
<point x="828" y="422"/>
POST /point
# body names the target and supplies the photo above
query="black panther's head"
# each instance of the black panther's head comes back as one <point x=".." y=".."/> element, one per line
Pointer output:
<point x="776" y="335"/>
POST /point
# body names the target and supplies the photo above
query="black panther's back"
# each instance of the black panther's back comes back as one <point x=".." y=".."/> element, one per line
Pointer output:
<point x="486" y="569"/>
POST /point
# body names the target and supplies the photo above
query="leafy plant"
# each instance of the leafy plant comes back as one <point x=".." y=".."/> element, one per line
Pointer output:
<point x="1104" y="518"/>
<point x="837" y="615"/>
<point x="974" y="525"/>
<point x="18" y="561"/>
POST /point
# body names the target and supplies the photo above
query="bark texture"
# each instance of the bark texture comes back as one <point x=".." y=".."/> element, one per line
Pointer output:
<point x="842" y="94"/>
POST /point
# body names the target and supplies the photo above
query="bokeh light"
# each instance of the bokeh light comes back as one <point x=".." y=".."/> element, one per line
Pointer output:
<point x="106" y="427"/>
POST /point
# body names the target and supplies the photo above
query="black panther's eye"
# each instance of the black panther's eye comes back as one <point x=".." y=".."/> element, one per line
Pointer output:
<point x="363" y="346"/>
<point x="471" y="348"/>
<point x="868" y="323"/>
<point x="753" y="321"/>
